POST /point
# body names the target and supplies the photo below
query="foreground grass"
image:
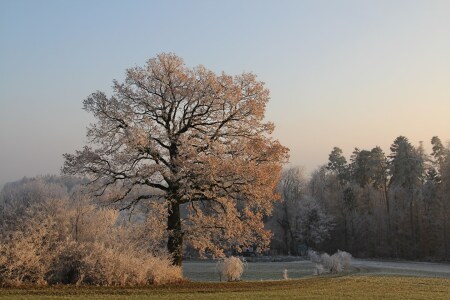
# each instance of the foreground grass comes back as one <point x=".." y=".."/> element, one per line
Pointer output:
<point x="348" y="287"/>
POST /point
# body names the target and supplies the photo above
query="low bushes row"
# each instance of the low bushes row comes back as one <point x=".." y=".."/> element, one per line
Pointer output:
<point x="49" y="237"/>
<point x="335" y="263"/>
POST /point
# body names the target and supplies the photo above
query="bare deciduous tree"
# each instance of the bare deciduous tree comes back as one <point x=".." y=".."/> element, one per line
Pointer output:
<point x="198" y="139"/>
<point x="298" y="220"/>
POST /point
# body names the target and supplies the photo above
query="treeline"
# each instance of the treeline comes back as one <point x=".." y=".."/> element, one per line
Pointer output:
<point x="375" y="205"/>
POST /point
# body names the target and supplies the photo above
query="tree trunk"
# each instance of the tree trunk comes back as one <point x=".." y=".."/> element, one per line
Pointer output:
<point x="287" y="229"/>
<point x="175" y="242"/>
<point x="446" y="248"/>
<point x="287" y="244"/>
<point x="388" y="211"/>
<point x="413" y="239"/>
<point x="293" y="248"/>
<point x="345" y="235"/>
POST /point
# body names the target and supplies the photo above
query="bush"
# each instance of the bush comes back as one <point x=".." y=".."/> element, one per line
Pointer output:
<point x="105" y="266"/>
<point x="330" y="264"/>
<point x="319" y="269"/>
<point x="71" y="241"/>
<point x="345" y="258"/>
<point x="39" y="256"/>
<point x="231" y="268"/>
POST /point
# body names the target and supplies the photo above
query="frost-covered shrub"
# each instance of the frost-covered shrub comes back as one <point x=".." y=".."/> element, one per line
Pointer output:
<point x="72" y="241"/>
<point x="336" y="263"/>
<point x="100" y="265"/>
<point x="330" y="264"/>
<point x="231" y="268"/>
<point x="39" y="255"/>
<point x="67" y="265"/>
<point x="106" y="266"/>
<point x="345" y="258"/>
<point x="27" y="250"/>
<point x="319" y="269"/>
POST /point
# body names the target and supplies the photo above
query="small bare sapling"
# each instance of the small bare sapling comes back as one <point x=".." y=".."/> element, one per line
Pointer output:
<point x="285" y="274"/>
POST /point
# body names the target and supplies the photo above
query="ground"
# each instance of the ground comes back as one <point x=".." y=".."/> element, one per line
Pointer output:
<point x="366" y="279"/>
<point x="322" y="287"/>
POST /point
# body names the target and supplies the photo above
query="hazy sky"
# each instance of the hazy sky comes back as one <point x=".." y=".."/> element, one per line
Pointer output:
<point x="341" y="73"/>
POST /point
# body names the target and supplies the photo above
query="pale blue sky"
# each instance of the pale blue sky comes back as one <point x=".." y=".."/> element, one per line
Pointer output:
<point x="341" y="73"/>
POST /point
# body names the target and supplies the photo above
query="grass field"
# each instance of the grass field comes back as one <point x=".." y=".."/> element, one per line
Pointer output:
<point x="346" y="287"/>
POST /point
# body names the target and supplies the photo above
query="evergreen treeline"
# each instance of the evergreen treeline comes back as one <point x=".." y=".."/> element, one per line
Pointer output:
<point x="375" y="205"/>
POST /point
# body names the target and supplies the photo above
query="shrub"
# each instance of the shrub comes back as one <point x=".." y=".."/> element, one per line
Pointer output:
<point x="106" y="266"/>
<point x="330" y="264"/>
<point x="319" y="269"/>
<point x="71" y="241"/>
<point x="38" y="256"/>
<point x="231" y="268"/>
<point x="345" y="258"/>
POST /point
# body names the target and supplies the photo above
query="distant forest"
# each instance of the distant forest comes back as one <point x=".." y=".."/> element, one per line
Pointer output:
<point x="375" y="205"/>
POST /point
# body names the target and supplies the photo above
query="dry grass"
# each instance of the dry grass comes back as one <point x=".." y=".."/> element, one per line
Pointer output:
<point x="327" y="287"/>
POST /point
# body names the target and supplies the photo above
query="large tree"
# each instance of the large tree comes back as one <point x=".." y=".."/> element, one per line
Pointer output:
<point x="197" y="141"/>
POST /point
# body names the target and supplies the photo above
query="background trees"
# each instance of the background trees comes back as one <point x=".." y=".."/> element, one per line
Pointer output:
<point x="197" y="140"/>
<point x="394" y="206"/>
<point x="299" y="220"/>
<point x="407" y="172"/>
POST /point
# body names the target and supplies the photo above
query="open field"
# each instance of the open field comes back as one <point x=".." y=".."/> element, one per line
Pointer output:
<point x="326" y="287"/>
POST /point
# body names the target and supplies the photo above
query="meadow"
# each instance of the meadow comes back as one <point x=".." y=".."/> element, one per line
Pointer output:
<point x="322" y="287"/>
